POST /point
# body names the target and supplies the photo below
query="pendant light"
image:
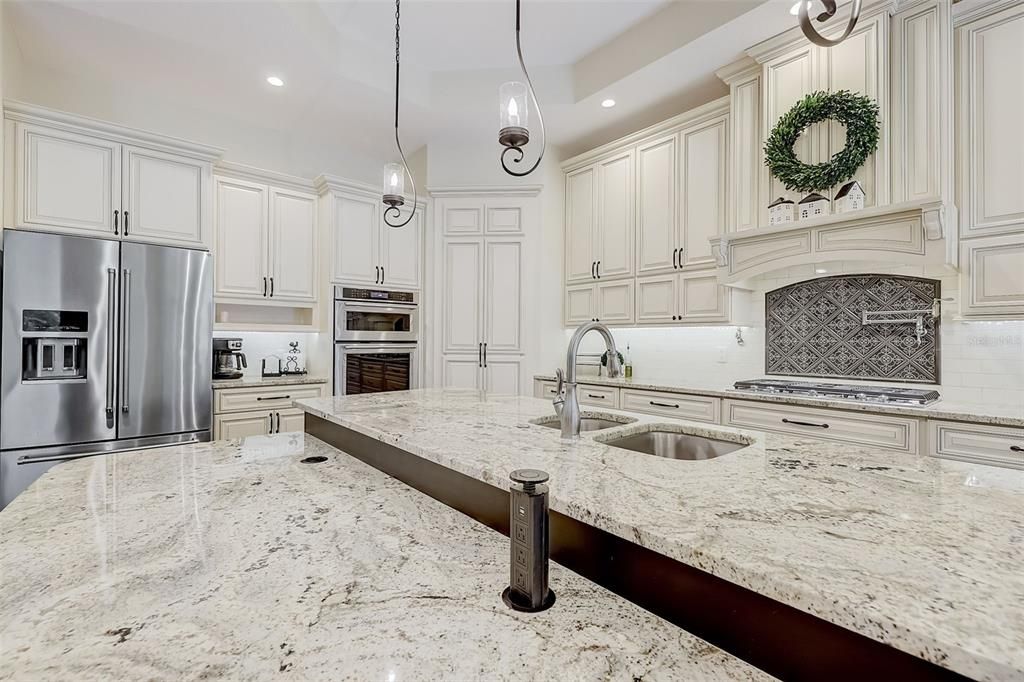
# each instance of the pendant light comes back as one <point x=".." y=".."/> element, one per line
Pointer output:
<point x="394" y="173"/>
<point x="803" y="10"/>
<point x="514" y="109"/>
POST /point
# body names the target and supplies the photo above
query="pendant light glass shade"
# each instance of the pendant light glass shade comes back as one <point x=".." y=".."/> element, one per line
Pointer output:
<point x="394" y="184"/>
<point x="514" y="104"/>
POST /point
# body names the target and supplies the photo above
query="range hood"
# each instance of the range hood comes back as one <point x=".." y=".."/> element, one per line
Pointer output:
<point x="913" y="233"/>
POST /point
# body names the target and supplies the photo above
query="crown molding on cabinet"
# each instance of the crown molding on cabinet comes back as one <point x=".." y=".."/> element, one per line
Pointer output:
<point x="484" y="191"/>
<point x="24" y="112"/>
<point x="741" y="69"/>
<point x="968" y="10"/>
<point x="705" y="112"/>
<point x="913" y="232"/>
<point x="267" y="177"/>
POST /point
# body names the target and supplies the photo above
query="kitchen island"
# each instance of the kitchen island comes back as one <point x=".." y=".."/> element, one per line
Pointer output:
<point x="920" y="554"/>
<point x="244" y="561"/>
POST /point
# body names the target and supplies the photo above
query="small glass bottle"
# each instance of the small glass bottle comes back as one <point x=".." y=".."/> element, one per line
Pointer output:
<point x="629" y="363"/>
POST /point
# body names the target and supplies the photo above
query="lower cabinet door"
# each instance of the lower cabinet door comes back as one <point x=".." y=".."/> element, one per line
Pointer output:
<point x="241" y="425"/>
<point x="501" y="376"/>
<point x="460" y="371"/>
<point x="290" y="421"/>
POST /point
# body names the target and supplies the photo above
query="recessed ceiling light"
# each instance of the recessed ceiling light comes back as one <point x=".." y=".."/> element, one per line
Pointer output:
<point x="608" y="103"/>
<point x="795" y="9"/>
<point x="275" y="81"/>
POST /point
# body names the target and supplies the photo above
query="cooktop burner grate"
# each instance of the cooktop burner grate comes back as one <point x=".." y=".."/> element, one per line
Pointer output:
<point x="884" y="395"/>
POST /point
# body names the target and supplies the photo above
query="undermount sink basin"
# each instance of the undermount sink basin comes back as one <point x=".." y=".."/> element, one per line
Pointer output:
<point x="673" y="445"/>
<point x="588" y="422"/>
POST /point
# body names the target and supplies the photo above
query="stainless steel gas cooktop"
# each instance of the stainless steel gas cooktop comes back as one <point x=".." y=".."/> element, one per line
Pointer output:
<point x="883" y="395"/>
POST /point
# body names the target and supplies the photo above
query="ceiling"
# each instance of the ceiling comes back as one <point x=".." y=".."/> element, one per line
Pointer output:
<point x="655" y="57"/>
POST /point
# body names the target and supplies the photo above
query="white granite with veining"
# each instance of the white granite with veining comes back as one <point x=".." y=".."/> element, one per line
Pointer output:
<point x="237" y="561"/>
<point x="924" y="554"/>
<point x="1008" y="415"/>
<point x="259" y="382"/>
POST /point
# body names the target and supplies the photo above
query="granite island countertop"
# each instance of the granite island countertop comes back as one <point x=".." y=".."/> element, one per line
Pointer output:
<point x="238" y="561"/>
<point x="916" y="552"/>
<point x="954" y="410"/>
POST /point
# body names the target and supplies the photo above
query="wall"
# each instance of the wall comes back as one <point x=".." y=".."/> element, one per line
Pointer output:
<point x="981" y="362"/>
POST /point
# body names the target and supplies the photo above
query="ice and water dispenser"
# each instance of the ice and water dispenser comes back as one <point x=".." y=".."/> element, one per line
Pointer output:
<point x="54" y="345"/>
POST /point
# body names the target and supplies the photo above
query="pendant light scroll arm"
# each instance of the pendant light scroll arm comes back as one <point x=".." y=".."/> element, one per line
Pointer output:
<point x="540" y="115"/>
<point x="830" y="9"/>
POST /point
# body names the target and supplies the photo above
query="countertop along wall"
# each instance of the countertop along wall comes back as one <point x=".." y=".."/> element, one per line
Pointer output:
<point x="981" y="362"/>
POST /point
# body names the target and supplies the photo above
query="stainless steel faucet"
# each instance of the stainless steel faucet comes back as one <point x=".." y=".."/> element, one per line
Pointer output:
<point x="567" y="405"/>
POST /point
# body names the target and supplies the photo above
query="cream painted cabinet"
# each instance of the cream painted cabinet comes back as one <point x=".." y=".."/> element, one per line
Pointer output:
<point x="657" y="210"/>
<point x="992" y="276"/>
<point x="608" y="302"/>
<point x="688" y="298"/>
<point x="482" y="284"/>
<point x="580" y="305"/>
<point x="580" y="231"/>
<point x="266" y="242"/>
<point x="166" y="198"/>
<point x="990" y="95"/>
<point x="615" y="216"/>
<point x="239" y="426"/>
<point x="702" y="207"/>
<point x="367" y="251"/>
<point x="94" y="186"/>
<point x="259" y="411"/>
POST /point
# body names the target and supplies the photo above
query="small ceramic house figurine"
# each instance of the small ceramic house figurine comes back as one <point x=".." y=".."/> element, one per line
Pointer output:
<point x="813" y="206"/>
<point x="850" y="197"/>
<point x="781" y="211"/>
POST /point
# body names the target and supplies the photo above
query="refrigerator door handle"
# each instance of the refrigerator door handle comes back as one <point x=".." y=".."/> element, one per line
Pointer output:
<point x="111" y="332"/>
<point x="126" y="308"/>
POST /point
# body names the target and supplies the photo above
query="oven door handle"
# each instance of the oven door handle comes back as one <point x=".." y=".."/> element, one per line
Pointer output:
<point x="378" y="308"/>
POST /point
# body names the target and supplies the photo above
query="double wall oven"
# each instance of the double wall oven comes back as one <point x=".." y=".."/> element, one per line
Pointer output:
<point x="375" y="340"/>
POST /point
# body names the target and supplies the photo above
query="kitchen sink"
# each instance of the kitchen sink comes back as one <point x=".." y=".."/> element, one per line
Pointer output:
<point x="661" y="442"/>
<point x="588" y="422"/>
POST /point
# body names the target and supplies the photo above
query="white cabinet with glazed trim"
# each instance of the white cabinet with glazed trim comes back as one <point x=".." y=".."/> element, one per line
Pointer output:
<point x="992" y="277"/>
<point x="80" y="176"/>
<point x="259" y="410"/>
<point x="482" y="311"/>
<point x="365" y="251"/>
<point x="979" y="443"/>
<point x="608" y="302"/>
<point x="686" y="298"/>
<point x="599" y="219"/>
<point x="266" y="241"/>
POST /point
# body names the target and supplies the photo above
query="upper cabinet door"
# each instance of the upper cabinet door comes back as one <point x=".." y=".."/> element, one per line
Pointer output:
<point x="990" y="57"/>
<point x="702" y="203"/>
<point x="616" y="216"/>
<point x="166" y="199"/>
<point x="787" y="79"/>
<point x="503" y="304"/>
<point x="293" y="242"/>
<point x="68" y="182"/>
<point x="702" y="299"/>
<point x="580" y="305"/>
<point x="400" y="252"/>
<point x="580" y="204"/>
<point x="463" y="293"/>
<point x="356" y="249"/>
<point x="656" y="194"/>
<point x="240" y="247"/>
<point x="615" y="302"/>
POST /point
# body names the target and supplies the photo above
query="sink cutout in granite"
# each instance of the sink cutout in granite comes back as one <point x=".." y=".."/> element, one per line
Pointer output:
<point x="589" y="421"/>
<point x="673" y="442"/>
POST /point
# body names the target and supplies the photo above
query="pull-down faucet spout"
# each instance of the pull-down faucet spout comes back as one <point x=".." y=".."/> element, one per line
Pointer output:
<point x="567" y="405"/>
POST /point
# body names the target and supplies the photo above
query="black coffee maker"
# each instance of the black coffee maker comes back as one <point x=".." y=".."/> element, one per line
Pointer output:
<point x="228" y="359"/>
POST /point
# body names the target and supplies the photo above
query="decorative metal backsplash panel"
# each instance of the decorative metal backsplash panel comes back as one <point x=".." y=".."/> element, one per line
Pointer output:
<point x="815" y="329"/>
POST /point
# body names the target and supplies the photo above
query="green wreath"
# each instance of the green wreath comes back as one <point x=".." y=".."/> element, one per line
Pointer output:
<point x="860" y="116"/>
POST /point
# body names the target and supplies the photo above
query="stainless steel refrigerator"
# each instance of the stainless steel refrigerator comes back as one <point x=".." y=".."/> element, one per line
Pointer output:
<point x="106" y="346"/>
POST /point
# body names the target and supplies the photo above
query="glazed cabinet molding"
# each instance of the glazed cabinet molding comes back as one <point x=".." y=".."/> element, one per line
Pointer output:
<point x="599" y="219"/>
<point x="678" y="405"/>
<point x="79" y="176"/>
<point x="608" y="302"/>
<point x="259" y="411"/>
<point x="266" y="243"/>
<point x="589" y="395"/>
<point x="688" y="298"/>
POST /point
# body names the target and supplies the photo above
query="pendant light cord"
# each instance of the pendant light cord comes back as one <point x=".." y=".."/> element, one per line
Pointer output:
<point x="398" y="143"/>
<point x="540" y="116"/>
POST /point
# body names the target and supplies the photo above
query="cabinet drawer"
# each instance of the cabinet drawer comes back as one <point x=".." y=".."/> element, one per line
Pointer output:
<point x="693" y="407"/>
<point x="544" y="389"/>
<point x="894" y="433"/>
<point x="996" y="445"/>
<point x="597" y="396"/>
<point x="259" y="398"/>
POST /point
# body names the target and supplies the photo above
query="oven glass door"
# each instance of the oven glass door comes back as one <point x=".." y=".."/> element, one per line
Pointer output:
<point x="374" y="369"/>
<point x="374" y="322"/>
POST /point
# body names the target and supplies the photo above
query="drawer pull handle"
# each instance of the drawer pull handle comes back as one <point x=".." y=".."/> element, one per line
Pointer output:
<point x="1016" y="448"/>
<point x="796" y="423"/>
<point x="276" y="397"/>
<point x="598" y="397"/>
<point x="656" y="404"/>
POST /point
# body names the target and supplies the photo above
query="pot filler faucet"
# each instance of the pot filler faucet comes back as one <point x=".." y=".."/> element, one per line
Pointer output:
<point x="567" y="406"/>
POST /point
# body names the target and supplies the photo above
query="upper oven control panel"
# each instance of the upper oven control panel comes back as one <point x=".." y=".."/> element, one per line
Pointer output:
<point x="381" y="295"/>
